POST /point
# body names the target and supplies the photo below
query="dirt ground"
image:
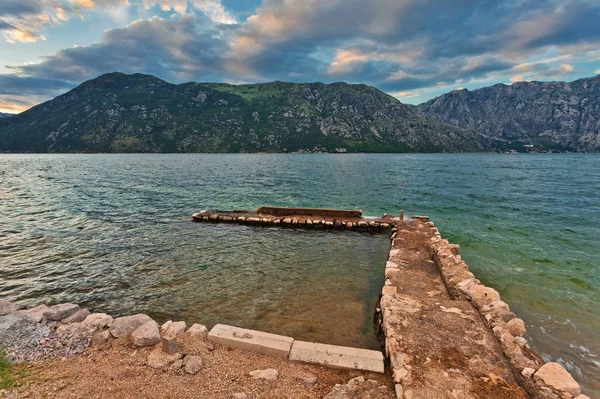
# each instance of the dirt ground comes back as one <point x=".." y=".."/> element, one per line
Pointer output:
<point x="450" y="349"/>
<point x="117" y="370"/>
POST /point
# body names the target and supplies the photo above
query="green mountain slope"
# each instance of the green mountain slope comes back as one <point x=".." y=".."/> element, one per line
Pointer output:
<point x="549" y="115"/>
<point x="141" y="113"/>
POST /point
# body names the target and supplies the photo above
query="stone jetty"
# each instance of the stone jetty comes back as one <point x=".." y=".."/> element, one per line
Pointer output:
<point x="308" y="218"/>
<point x="445" y="335"/>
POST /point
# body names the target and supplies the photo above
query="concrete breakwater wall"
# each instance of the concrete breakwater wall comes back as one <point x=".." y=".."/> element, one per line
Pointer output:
<point x="297" y="218"/>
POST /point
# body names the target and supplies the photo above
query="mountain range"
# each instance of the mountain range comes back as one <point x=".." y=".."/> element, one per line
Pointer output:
<point x="551" y="115"/>
<point x="142" y="113"/>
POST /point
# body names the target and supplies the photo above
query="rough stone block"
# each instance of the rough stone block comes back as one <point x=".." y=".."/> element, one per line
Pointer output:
<point x="337" y="356"/>
<point x="169" y="345"/>
<point x="7" y="307"/>
<point x="555" y="376"/>
<point x="256" y="341"/>
<point x="77" y="317"/>
<point x="62" y="311"/>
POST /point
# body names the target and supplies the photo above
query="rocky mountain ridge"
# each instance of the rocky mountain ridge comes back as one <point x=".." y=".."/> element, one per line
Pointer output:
<point x="141" y="113"/>
<point x="547" y="115"/>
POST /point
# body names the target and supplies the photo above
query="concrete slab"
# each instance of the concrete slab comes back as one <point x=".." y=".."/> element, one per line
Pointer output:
<point x="256" y="341"/>
<point x="337" y="356"/>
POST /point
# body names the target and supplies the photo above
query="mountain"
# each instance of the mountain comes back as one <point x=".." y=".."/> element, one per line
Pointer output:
<point x="141" y="113"/>
<point x="3" y="115"/>
<point x="549" y="115"/>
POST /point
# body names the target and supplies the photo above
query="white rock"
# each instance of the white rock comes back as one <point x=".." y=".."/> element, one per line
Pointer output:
<point x="239" y="395"/>
<point x="527" y="372"/>
<point x="399" y="391"/>
<point x="267" y="374"/>
<point x="555" y="376"/>
<point x="147" y="334"/>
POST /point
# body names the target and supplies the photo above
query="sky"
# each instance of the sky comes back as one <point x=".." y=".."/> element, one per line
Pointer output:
<point x="414" y="50"/>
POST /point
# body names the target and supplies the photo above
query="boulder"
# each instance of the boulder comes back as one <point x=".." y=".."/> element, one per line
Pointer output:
<point x="59" y="312"/>
<point x="75" y="330"/>
<point x="172" y="328"/>
<point x="7" y="307"/>
<point x="122" y="326"/>
<point x="198" y="330"/>
<point x="482" y="295"/>
<point x="34" y="314"/>
<point x="192" y="364"/>
<point x="554" y="375"/>
<point x="267" y="374"/>
<point x="76" y="317"/>
<point x="516" y="327"/>
<point x="97" y="320"/>
<point x="101" y="337"/>
<point x="147" y="334"/>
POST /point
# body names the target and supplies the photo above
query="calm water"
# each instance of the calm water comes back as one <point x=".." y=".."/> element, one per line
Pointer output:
<point x="113" y="232"/>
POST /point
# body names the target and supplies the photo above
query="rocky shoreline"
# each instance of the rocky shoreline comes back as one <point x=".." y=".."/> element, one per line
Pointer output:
<point x="45" y="334"/>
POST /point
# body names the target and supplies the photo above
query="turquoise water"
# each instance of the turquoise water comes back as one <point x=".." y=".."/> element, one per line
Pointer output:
<point x="113" y="232"/>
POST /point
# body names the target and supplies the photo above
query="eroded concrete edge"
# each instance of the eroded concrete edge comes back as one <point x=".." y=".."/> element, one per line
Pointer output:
<point x="527" y="367"/>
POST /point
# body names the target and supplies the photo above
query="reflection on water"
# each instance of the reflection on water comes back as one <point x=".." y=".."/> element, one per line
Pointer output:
<point x="112" y="231"/>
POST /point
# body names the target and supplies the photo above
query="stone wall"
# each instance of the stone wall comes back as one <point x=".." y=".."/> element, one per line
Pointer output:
<point x="298" y="221"/>
<point x="549" y="380"/>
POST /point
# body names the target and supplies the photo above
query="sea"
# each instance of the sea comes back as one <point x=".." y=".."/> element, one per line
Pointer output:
<point x="113" y="232"/>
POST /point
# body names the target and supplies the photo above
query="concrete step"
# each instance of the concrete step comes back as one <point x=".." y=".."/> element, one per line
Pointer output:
<point x="256" y="341"/>
<point x="337" y="356"/>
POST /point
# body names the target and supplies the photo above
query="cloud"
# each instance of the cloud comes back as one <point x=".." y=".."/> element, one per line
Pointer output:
<point x="405" y="46"/>
<point x="24" y="20"/>
<point x="406" y="94"/>
<point x="213" y="9"/>
<point x="171" y="48"/>
<point x="17" y="85"/>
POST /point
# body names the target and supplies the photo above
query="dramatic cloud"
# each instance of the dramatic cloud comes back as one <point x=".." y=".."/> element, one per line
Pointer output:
<point x="24" y="20"/>
<point x="175" y="49"/>
<point x="410" y="48"/>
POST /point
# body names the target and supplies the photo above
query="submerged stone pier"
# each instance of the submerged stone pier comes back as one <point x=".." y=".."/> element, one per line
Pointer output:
<point x="309" y="218"/>
<point x="445" y="334"/>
